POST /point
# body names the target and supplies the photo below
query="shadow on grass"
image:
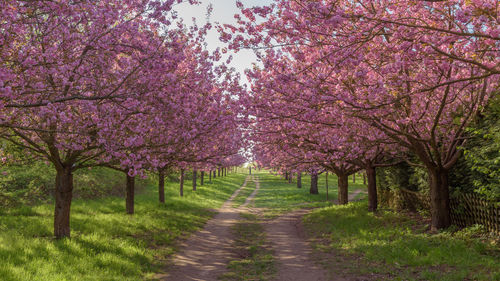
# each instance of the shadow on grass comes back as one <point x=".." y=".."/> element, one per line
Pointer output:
<point x="388" y="242"/>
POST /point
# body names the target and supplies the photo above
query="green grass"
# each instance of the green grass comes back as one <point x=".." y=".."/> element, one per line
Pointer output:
<point x="397" y="246"/>
<point x="106" y="243"/>
<point x="244" y="193"/>
<point x="278" y="196"/>
<point x="255" y="260"/>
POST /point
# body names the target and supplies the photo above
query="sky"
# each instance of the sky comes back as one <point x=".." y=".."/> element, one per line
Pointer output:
<point x="223" y="12"/>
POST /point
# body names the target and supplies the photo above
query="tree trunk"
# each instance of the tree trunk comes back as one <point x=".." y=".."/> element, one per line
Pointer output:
<point x="161" y="185"/>
<point x="343" y="188"/>
<point x="440" y="198"/>
<point x="64" y="195"/>
<point x="215" y="174"/>
<point x="286" y="176"/>
<point x="290" y="177"/>
<point x="210" y="176"/>
<point x="181" y="187"/>
<point x="195" y="178"/>
<point x="326" y="183"/>
<point x="218" y="172"/>
<point x="314" y="183"/>
<point x="354" y="178"/>
<point x="372" y="188"/>
<point x="202" y="178"/>
<point x="299" y="180"/>
<point x="250" y="171"/>
<point x="364" y="178"/>
<point x="130" y="194"/>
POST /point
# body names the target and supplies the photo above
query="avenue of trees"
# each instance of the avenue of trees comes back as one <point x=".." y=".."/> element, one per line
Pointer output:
<point x="355" y="85"/>
<point x="119" y="84"/>
<point x="344" y="86"/>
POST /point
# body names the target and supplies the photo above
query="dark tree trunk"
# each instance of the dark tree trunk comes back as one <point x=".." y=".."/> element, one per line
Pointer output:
<point x="286" y="176"/>
<point x="326" y="183"/>
<point x="343" y="188"/>
<point x="215" y="174"/>
<point x="314" y="183"/>
<point x="299" y="180"/>
<point x="161" y="185"/>
<point x="210" y="176"/>
<point x="354" y="178"/>
<point x="364" y="178"/>
<point x="225" y="172"/>
<point x="202" y="178"/>
<point x="290" y="177"/>
<point x="130" y="194"/>
<point x="250" y="170"/>
<point x="195" y="178"/>
<point x="440" y="198"/>
<point x="372" y="188"/>
<point x="64" y="195"/>
<point x="218" y="172"/>
<point x="181" y="185"/>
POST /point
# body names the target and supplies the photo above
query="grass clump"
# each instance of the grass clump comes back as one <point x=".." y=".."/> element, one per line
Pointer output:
<point x="106" y="243"/>
<point x="255" y="260"/>
<point x="394" y="245"/>
<point x="244" y="193"/>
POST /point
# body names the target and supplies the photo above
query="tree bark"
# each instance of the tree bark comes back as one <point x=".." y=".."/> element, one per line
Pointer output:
<point x="314" y="183"/>
<point x="181" y="187"/>
<point x="286" y="176"/>
<point x="290" y="177"/>
<point x="326" y="183"/>
<point x="64" y="196"/>
<point x="161" y="185"/>
<point x="354" y="178"/>
<point x="215" y="174"/>
<point x="195" y="178"/>
<point x="299" y="180"/>
<point x="364" y="178"/>
<point x="250" y="171"/>
<point x="202" y="178"/>
<point x="210" y="176"/>
<point x="343" y="182"/>
<point x="372" y="188"/>
<point x="130" y="194"/>
<point x="440" y="198"/>
<point x="218" y="172"/>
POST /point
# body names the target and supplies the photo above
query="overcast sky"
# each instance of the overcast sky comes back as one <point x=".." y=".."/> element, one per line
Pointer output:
<point x="223" y="12"/>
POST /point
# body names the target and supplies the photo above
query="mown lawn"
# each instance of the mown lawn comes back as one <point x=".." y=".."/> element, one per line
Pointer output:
<point x="278" y="196"/>
<point x="106" y="243"/>
<point x="390" y="245"/>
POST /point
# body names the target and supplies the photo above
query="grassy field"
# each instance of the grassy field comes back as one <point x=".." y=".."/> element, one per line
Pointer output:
<point x="395" y="246"/>
<point x="106" y="243"/>
<point x="279" y="196"/>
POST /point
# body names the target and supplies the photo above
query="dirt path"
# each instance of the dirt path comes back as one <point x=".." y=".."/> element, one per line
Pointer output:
<point x="292" y="252"/>
<point x="205" y="255"/>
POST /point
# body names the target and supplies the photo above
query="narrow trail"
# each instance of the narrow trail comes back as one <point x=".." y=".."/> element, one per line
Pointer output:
<point x="254" y="193"/>
<point x="292" y="251"/>
<point x="205" y="255"/>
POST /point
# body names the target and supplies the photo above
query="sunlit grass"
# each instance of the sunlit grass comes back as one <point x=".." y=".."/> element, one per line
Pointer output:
<point x="106" y="243"/>
<point x="279" y="196"/>
<point x="244" y="193"/>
